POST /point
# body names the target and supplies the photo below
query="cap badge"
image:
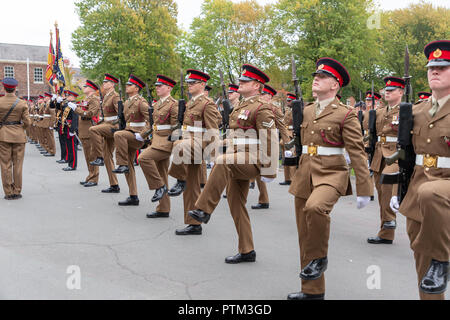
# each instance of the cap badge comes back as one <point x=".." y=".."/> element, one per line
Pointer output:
<point x="389" y="82"/>
<point x="321" y="67"/>
<point x="437" y="54"/>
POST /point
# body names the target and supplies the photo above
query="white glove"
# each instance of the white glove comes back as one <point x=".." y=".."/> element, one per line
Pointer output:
<point x="288" y="154"/>
<point x="395" y="206"/>
<point x="71" y="134"/>
<point x="267" y="180"/>
<point x="54" y="96"/>
<point x="51" y="128"/>
<point x="347" y="158"/>
<point x="139" y="137"/>
<point x="59" y="99"/>
<point x="362" y="202"/>
<point x="72" y="106"/>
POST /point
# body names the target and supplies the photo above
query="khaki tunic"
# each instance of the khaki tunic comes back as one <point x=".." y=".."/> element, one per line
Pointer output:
<point x="87" y="110"/>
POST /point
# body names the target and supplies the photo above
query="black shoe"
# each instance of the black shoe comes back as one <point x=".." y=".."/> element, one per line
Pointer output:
<point x="69" y="169"/>
<point x="224" y="196"/>
<point x="17" y="196"/>
<point x="112" y="189"/>
<point x="378" y="240"/>
<point x="314" y="269"/>
<point x="121" y="170"/>
<point x="90" y="184"/>
<point x="252" y="185"/>
<point x="202" y="185"/>
<point x="247" y="257"/>
<point x="61" y="161"/>
<point x="189" y="230"/>
<point x="436" y="278"/>
<point x="130" y="201"/>
<point x="159" y="194"/>
<point x="49" y="155"/>
<point x="157" y="214"/>
<point x="83" y="183"/>
<point x="305" y="296"/>
<point x="372" y="198"/>
<point x="285" y="183"/>
<point x="200" y="216"/>
<point x="390" y="225"/>
<point x="43" y="152"/>
<point x="99" y="162"/>
<point x="177" y="189"/>
<point x="9" y="197"/>
<point x="261" y="206"/>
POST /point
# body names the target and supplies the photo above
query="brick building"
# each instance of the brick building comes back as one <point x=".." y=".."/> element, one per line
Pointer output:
<point x="13" y="64"/>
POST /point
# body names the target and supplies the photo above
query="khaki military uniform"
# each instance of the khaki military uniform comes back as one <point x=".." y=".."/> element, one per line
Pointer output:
<point x="321" y="180"/>
<point x="427" y="202"/>
<point x="12" y="143"/>
<point x="136" y="117"/>
<point x="89" y="108"/>
<point x="201" y="115"/>
<point x="285" y="135"/>
<point x="102" y="135"/>
<point x="155" y="160"/>
<point x="252" y="124"/>
<point x="48" y="122"/>
<point x="39" y="125"/>
<point x="387" y="128"/>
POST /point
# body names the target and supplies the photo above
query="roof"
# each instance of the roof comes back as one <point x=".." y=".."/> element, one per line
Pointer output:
<point x="20" y="52"/>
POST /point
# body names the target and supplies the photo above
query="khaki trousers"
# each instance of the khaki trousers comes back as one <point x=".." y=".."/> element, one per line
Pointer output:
<point x="89" y="156"/>
<point x="313" y="225"/>
<point x="155" y="165"/>
<point x="385" y="192"/>
<point x="126" y="146"/>
<point x="11" y="163"/>
<point x="102" y="140"/>
<point x="263" y="194"/>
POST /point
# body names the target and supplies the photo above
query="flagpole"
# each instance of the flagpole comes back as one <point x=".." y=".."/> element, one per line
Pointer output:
<point x="28" y="77"/>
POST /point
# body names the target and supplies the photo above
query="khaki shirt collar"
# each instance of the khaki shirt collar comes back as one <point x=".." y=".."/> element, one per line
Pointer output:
<point x="164" y="99"/>
<point x="441" y="101"/>
<point x="196" y="97"/>
<point x="246" y="99"/>
<point x="324" y="103"/>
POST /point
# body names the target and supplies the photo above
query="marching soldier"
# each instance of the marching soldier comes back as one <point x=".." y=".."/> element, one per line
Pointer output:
<point x="323" y="176"/>
<point x="69" y="128"/>
<point x="427" y="202"/>
<point x="39" y="117"/>
<point x="128" y="141"/>
<point x="14" y="118"/>
<point x="88" y="109"/>
<point x="252" y="124"/>
<point x="201" y="117"/>
<point x="102" y="135"/>
<point x="288" y="171"/>
<point x="387" y="132"/>
<point x="55" y="104"/>
<point x="155" y="160"/>
<point x="47" y="125"/>
<point x="267" y="95"/>
<point x="423" y="95"/>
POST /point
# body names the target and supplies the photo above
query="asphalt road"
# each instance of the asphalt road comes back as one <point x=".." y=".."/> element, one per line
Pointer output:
<point x="64" y="241"/>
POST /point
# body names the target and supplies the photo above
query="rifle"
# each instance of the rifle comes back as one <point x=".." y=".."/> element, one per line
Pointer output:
<point x="405" y="155"/>
<point x="373" y="138"/>
<point x="181" y="109"/>
<point x="226" y="104"/>
<point x="120" y="111"/>
<point x="150" y="112"/>
<point x="297" y="116"/>
<point x="101" y="106"/>
<point x="361" y="105"/>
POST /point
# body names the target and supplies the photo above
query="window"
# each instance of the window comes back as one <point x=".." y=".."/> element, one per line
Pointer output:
<point x="9" y="72"/>
<point x="38" y="75"/>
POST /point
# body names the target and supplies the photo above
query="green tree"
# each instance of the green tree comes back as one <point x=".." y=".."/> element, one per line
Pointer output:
<point x="123" y="37"/>
<point x="415" y="26"/>
<point x="311" y="29"/>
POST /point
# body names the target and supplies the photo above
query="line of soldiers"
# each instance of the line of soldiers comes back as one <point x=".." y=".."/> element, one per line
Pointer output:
<point x="324" y="138"/>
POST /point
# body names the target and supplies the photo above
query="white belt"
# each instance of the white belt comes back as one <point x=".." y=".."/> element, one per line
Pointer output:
<point x="162" y="127"/>
<point x="428" y="161"/>
<point x="111" y="118"/>
<point x="388" y="139"/>
<point x="291" y="127"/>
<point x="244" y="141"/>
<point x="137" y="124"/>
<point x="193" y="129"/>
<point x="47" y="115"/>
<point x="322" y="151"/>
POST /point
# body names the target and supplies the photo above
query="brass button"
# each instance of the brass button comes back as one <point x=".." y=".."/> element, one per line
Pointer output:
<point x="312" y="132"/>
<point x="329" y="128"/>
<point x="315" y="121"/>
<point x="431" y="126"/>
<point x="428" y="140"/>
<point x="427" y="169"/>
<point x="311" y="144"/>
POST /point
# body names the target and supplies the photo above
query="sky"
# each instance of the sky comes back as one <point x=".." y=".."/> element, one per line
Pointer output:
<point x="29" y="21"/>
